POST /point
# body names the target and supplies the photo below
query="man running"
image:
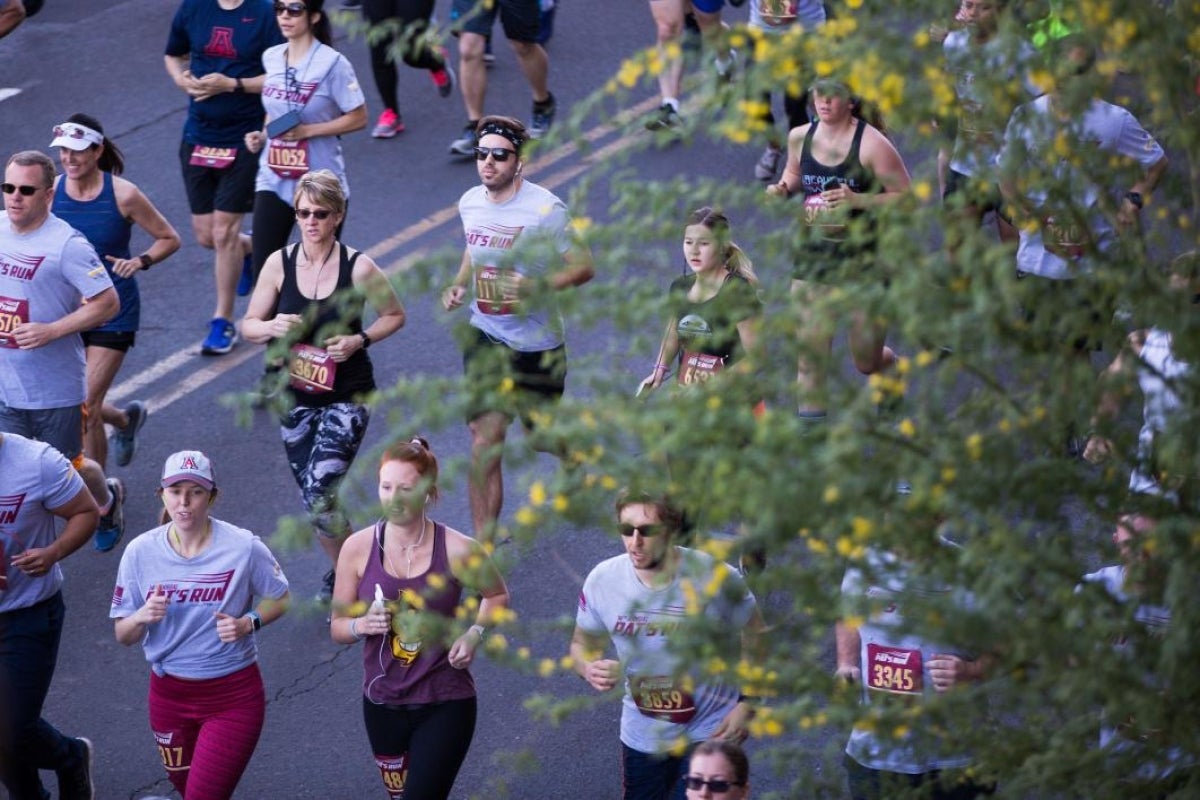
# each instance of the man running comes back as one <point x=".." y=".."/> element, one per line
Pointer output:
<point x="47" y="271"/>
<point x="519" y="253"/>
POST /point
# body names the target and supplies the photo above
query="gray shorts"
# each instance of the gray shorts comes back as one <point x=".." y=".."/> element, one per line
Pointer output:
<point x="61" y="428"/>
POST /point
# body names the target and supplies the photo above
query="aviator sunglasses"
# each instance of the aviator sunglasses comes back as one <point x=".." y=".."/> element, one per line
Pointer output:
<point x="290" y="9"/>
<point x="716" y="786"/>
<point x="319" y="213"/>
<point x="26" y="191"/>
<point x="501" y="154"/>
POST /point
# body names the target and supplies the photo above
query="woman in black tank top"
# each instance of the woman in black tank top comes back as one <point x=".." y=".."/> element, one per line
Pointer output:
<point x="845" y="167"/>
<point x="300" y="303"/>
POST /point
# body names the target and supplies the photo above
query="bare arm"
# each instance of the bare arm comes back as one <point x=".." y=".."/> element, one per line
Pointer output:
<point x="471" y="564"/>
<point x="81" y="515"/>
<point x="12" y="13"/>
<point x="789" y="182"/>
<point x="587" y="659"/>
<point x="95" y="312"/>
<point x="667" y="353"/>
<point x="578" y="269"/>
<point x="137" y="207"/>
<point x="454" y="294"/>
<point x="379" y="291"/>
<point x="255" y="326"/>
<point x="1116" y="384"/>
<point x="353" y="120"/>
<point x="848" y="648"/>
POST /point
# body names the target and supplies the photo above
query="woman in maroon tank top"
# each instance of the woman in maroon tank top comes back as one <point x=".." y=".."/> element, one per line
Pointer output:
<point x="399" y="588"/>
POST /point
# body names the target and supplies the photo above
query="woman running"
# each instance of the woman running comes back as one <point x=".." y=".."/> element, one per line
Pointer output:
<point x="845" y="167"/>
<point x="311" y="97"/>
<point x="184" y="592"/>
<point x="404" y="27"/>
<point x="94" y="200"/>
<point x="418" y="696"/>
<point x="310" y="298"/>
<point x="718" y="768"/>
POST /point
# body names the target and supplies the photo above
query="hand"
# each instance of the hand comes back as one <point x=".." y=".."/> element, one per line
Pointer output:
<point x="374" y="623"/>
<point x="1098" y="449"/>
<point x="125" y="267"/>
<point x="948" y="671"/>
<point x="341" y="348"/>
<point x="602" y="674"/>
<point x="188" y="82"/>
<point x="255" y="141"/>
<point x="776" y="190"/>
<point x="212" y="84"/>
<point x="651" y="381"/>
<point x="735" y="727"/>
<point x="296" y="134"/>
<point x="453" y="297"/>
<point x="155" y="608"/>
<point x="281" y="324"/>
<point x="35" y="562"/>
<point x="462" y="652"/>
<point x="32" y="335"/>
<point x="840" y="195"/>
<point x="230" y="629"/>
<point x="1128" y="216"/>
<point x="851" y="675"/>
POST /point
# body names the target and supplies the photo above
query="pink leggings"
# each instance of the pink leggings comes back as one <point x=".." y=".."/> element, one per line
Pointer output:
<point x="207" y="730"/>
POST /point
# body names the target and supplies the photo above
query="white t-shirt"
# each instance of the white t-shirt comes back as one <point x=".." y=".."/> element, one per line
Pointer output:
<point x="661" y="702"/>
<point x="526" y="234"/>
<point x="1160" y="374"/>
<point x="34" y="478"/>
<point x="44" y="276"/>
<point x="1029" y="155"/>
<point x="777" y="16"/>
<point x="322" y="87"/>
<point x="235" y="568"/>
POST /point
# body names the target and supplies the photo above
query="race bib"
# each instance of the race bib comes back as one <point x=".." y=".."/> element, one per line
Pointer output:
<point x="288" y="159"/>
<point x="13" y="312"/>
<point x="971" y="124"/>
<point x="1066" y="240"/>
<point x="826" y="222"/>
<point x="490" y="292"/>
<point x="894" y="670"/>
<point x="660" y="698"/>
<point x="311" y="369"/>
<point x="3" y="568"/>
<point x="394" y="771"/>
<point x="699" y="367"/>
<point x="212" y="157"/>
<point x="777" y="12"/>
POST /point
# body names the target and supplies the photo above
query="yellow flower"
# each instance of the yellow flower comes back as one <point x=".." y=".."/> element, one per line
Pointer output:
<point x="714" y="402"/>
<point x="907" y="428"/>
<point x="975" y="446"/>
<point x="560" y="503"/>
<point x="629" y="73"/>
<point x="925" y="358"/>
<point x="580" y="225"/>
<point x="861" y="527"/>
<point x="435" y="580"/>
<point x="537" y="494"/>
<point x="546" y="667"/>
<point x="526" y="516"/>
<point x="922" y="190"/>
<point x="831" y="494"/>
<point x="507" y="385"/>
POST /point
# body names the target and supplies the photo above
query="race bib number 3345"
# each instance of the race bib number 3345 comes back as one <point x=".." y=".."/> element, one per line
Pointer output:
<point x="894" y="669"/>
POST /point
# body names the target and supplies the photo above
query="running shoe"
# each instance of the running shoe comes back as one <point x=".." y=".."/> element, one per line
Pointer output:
<point x="444" y="78"/>
<point x="112" y="525"/>
<point x="726" y="66"/>
<point x="222" y="336"/>
<point x="389" y="125"/>
<point x="124" y="442"/>
<point x="543" y="117"/>
<point x="465" y="145"/>
<point x="246" y="281"/>
<point x="768" y="164"/>
<point x="665" y="118"/>
<point x="76" y="783"/>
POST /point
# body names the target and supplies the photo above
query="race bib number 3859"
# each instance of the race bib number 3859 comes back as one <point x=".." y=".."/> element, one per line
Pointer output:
<point x="894" y="669"/>
<point x="13" y="312"/>
<point x="662" y="698"/>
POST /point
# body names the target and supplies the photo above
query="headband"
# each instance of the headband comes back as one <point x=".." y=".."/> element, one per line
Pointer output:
<point x="502" y="130"/>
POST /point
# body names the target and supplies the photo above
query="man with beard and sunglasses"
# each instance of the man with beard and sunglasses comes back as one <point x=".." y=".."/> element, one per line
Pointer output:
<point x="647" y="603"/>
<point x="520" y="253"/>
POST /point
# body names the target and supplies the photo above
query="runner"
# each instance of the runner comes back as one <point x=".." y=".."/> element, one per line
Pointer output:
<point x="520" y="20"/>
<point x="92" y="198"/>
<point x="404" y="31"/>
<point x="519" y="253"/>
<point x="636" y="602"/>
<point x="47" y="271"/>
<point x="12" y="14"/>
<point x="317" y="315"/>
<point x="419" y="702"/>
<point x="718" y="768"/>
<point x="311" y="97"/>
<point x="845" y="167"/>
<point x="669" y="16"/>
<point x="213" y="55"/>
<point x="714" y="308"/>
<point x="47" y="491"/>
<point x="184" y="592"/>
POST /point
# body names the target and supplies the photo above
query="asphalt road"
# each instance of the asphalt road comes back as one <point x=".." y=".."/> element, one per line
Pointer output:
<point x="105" y="59"/>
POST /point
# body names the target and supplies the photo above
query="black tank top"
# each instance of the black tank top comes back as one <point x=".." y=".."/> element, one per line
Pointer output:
<point x="828" y="227"/>
<point x="322" y="319"/>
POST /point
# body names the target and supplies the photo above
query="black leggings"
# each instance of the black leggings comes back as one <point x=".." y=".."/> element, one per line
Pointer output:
<point x="419" y="749"/>
<point x="272" y="226"/>
<point x="406" y="20"/>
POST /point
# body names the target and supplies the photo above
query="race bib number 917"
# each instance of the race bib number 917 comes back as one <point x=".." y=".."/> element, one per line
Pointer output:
<point x="894" y="670"/>
<point x="13" y="312"/>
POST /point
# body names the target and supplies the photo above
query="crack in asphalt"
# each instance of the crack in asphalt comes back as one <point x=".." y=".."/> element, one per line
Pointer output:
<point x="291" y="691"/>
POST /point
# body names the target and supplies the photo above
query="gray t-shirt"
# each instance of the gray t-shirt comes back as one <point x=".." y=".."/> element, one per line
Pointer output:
<point x="235" y="568"/>
<point x="777" y="16"/>
<point x="34" y="478"/>
<point x="663" y="702"/>
<point x="526" y="234"/>
<point x="44" y="275"/>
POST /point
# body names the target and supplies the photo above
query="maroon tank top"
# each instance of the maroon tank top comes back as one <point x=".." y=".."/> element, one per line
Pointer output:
<point x="409" y="666"/>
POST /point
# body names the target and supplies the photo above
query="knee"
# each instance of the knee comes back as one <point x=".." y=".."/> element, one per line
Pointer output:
<point x="668" y="31"/>
<point x="202" y="230"/>
<point x="226" y="233"/>
<point x="524" y="49"/>
<point x="470" y="47"/>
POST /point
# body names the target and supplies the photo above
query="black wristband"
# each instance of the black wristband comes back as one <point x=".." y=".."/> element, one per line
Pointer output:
<point x="240" y="88"/>
<point x="366" y="340"/>
<point x="146" y="260"/>
<point x="1136" y="199"/>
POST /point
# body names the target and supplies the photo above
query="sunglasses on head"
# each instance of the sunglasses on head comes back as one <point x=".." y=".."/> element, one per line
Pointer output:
<point x="27" y="191"/>
<point x="73" y="132"/>
<point x="647" y="530"/>
<point x="715" y="786"/>
<point x="319" y="213"/>
<point x="501" y="154"/>
<point x="290" y="9"/>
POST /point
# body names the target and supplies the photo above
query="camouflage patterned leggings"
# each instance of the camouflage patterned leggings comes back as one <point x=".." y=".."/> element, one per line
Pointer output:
<point x="321" y="444"/>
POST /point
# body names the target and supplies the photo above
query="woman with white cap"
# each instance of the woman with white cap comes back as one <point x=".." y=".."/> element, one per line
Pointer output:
<point x="185" y="591"/>
<point x="92" y="198"/>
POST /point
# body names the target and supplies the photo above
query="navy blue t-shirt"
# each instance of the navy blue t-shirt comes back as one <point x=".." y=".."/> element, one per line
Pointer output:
<point x="231" y="43"/>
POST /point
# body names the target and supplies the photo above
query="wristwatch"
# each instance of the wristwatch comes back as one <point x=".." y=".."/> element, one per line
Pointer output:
<point x="255" y="619"/>
<point x="240" y="88"/>
<point x="366" y="340"/>
<point x="1136" y="198"/>
<point x="146" y="260"/>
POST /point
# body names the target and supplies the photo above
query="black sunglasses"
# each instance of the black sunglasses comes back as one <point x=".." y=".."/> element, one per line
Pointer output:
<point x="501" y="154"/>
<point x="716" y="786"/>
<point x="291" y="9"/>
<point x="27" y="191"/>
<point x="647" y="530"/>
<point x="319" y="213"/>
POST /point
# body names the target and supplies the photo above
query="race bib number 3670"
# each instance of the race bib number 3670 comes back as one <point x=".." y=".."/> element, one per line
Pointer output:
<point x="893" y="669"/>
